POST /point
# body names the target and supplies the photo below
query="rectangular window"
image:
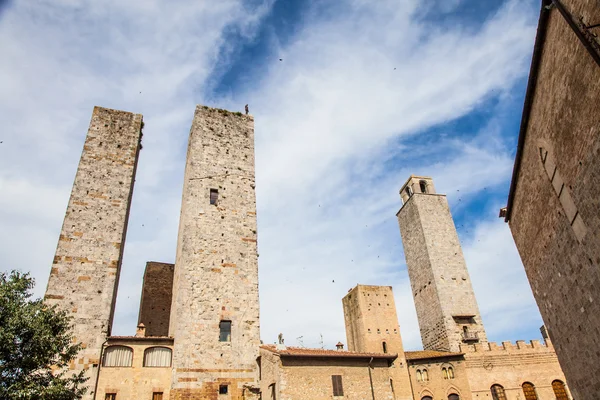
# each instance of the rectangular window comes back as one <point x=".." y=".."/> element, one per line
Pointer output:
<point x="336" y="380"/>
<point x="214" y="195"/>
<point x="225" y="331"/>
<point x="157" y="396"/>
<point x="110" y="396"/>
<point x="223" y="389"/>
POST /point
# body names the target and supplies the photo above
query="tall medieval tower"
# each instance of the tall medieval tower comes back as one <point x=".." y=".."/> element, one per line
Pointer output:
<point x="85" y="272"/>
<point x="215" y="309"/>
<point x="446" y="306"/>
<point x="372" y="327"/>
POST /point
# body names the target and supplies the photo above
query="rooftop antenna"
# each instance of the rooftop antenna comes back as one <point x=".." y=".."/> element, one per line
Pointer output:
<point x="321" y="341"/>
<point x="300" y="341"/>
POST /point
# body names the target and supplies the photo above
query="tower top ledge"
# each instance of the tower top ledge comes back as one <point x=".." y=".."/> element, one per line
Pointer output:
<point x="416" y="184"/>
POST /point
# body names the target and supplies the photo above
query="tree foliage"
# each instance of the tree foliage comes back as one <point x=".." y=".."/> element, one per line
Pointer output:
<point x="35" y="345"/>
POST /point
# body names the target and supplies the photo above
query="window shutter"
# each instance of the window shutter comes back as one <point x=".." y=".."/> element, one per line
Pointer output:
<point x="336" y="380"/>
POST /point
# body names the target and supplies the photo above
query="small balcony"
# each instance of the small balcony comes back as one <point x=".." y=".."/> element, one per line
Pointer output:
<point x="470" y="337"/>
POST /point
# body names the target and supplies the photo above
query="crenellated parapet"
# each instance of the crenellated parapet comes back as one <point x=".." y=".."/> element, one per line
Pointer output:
<point x="508" y="347"/>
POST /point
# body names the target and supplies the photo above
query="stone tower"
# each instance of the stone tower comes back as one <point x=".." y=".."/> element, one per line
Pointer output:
<point x="85" y="272"/>
<point x="372" y="327"/>
<point x="371" y="320"/>
<point x="446" y="306"/>
<point x="215" y="309"/>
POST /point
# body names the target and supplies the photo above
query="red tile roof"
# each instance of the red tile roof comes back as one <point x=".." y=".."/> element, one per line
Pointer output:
<point x="140" y="338"/>
<point x="424" y="354"/>
<point x="304" y="352"/>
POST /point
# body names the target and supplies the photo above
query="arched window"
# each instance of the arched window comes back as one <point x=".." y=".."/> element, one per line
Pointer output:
<point x="419" y="376"/>
<point x="453" y="396"/>
<point x="560" y="392"/>
<point x="384" y="344"/>
<point x="117" y="356"/>
<point x="426" y="398"/>
<point x="408" y="191"/>
<point x="445" y="373"/>
<point x="450" y="373"/>
<point x="498" y="392"/>
<point x="529" y="391"/>
<point x="157" y="357"/>
<point x="425" y="376"/>
<point x="423" y="186"/>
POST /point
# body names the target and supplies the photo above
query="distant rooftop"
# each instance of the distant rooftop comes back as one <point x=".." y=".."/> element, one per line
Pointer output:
<point x="426" y="354"/>
<point x="304" y="352"/>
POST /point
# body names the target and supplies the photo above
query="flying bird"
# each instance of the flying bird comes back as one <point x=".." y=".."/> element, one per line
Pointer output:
<point x="281" y="59"/>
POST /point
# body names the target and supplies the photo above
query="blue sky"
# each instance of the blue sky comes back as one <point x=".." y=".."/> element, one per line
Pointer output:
<point x="365" y="94"/>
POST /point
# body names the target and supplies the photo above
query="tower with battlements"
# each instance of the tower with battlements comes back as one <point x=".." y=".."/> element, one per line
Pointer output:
<point x="215" y="308"/>
<point x="85" y="272"/>
<point x="446" y="306"/>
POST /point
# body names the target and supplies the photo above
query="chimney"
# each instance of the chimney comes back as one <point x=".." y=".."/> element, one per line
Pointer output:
<point x="340" y="346"/>
<point x="141" y="330"/>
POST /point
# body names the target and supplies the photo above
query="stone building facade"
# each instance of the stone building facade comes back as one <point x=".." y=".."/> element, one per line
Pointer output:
<point x="443" y="292"/>
<point x="198" y="332"/>
<point x="553" y="205"/>
<point x="214" y="314"/>
<point x="298" y="373"/>
<point x="85" y="272"/>
<point x="135" y="377"/>
<point x="198" y="327"/>
<point x="438" y="375"/>
<point x="372" y="327"/>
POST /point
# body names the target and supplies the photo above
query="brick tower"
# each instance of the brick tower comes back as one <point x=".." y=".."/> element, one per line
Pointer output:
<point x="372" y="327"/>
<point x="446" y="306"/>
<point x="215" y="309"/>
<point x="85" y="272"/>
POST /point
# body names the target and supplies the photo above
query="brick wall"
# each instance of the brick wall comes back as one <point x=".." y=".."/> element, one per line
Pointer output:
<point x="510" y="365"/>
<point x="437" y="386"/>
<point x="157" y="292"/>
<point x="564" y="271"/>
<point x="216" y="268"/>
<point x="85" y="272"/>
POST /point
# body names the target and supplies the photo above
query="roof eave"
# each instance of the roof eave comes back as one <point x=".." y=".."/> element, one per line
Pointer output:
<point x="540" y="39"/>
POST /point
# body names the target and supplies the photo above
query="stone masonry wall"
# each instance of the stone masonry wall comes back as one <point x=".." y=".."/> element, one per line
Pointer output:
<point x="371" y="320"/>
<point x="437" y="387"/>
<point x="311" y="379"/>
<point x="136" y="382"/>
<point x="216" y="268"/>
<point x="157" y="292"/>
<point x="564" y="271"/>
<point x="85" y="272"/>
<point x="270" y="375"/>
<point x="440" y="282"/>
<point x="510" y="365"/>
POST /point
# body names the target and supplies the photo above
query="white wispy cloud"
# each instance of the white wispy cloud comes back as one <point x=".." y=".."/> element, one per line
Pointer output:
<point x="332" y="123"/>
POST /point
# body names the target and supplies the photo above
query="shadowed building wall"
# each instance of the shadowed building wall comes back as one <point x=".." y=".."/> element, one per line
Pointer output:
<point x="215" y="311"/>
<point x="85" y="272"/>
<point x="554" y="203"/>
<point x="157" y="292"/>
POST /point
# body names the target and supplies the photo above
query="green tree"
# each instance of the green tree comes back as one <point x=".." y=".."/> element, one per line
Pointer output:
<point x="35" y="345"/>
